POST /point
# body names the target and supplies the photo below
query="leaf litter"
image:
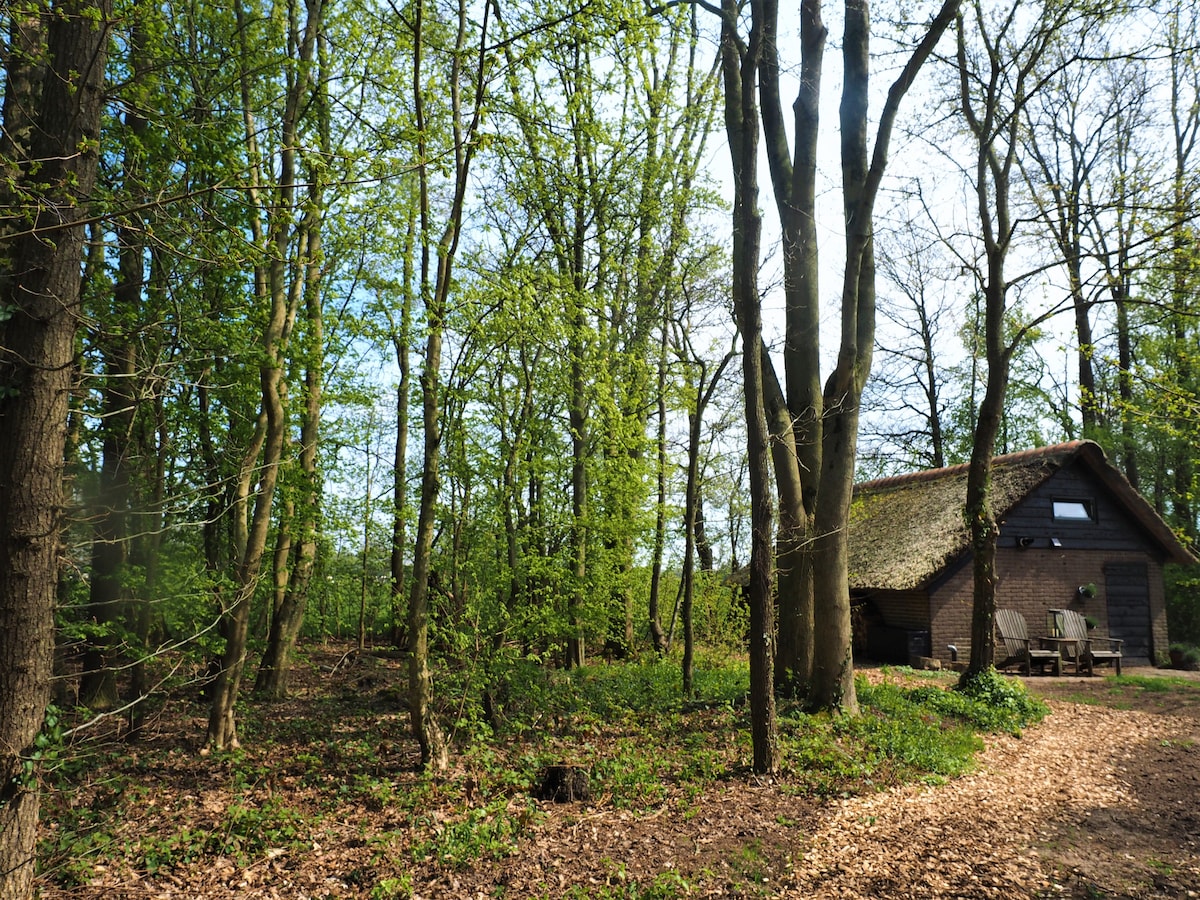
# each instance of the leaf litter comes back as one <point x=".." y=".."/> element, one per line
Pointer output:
<point x="1101" y="799"/>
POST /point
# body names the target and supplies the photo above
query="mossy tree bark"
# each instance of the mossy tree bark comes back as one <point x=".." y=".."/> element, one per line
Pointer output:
<point x="48" y="151"/>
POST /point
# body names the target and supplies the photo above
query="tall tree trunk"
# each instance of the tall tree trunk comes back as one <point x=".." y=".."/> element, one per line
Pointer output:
<point x="814" y="489"/>
<point x="107" y="593"/>
<point x="578" y="418"/>
<point x="793" y="551"/>
<point x="420" y="693"/>
<point x="420" y="687"/>
<point x="995" y="131"/>
<point x="796" y="419"/>
<point x="833" y="671"/>
<point x="108" y="589"/>
<point x="692" y="513"/>
<point x="52" y="99"/>
<point x="739" y="64"/>
<point x="401" y="339"/>
<point x="288" y="618"/>
<point x="272" y="288"/>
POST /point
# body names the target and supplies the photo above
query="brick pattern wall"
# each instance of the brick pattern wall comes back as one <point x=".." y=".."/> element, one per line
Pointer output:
<point x="1033" y="581"/>
<point x="906" y="609"/>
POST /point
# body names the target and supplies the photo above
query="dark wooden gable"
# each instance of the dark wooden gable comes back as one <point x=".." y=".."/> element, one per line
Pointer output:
<point x="1111" y="528"/>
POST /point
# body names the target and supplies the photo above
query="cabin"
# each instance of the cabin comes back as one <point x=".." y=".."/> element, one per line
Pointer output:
<point x="1074" y="534"/>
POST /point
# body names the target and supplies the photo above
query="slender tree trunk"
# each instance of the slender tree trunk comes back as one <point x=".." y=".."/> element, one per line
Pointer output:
<point x="739" y="63"/>
<point x="657" y="637"/>
<point x="271" y="286"/>
<point x="108" y="591"/>
<point x="288" y="618"/>
<point x="995" y="146"/>
<point x="793" y="666"/>
<point x="420" y="694"/>
<point x="689" y="542"/>
<point x="578" y="416"/>
<point x="693" y="514"/>
<point x="982" y="520"/>
<point x="53" y="98"/>
<point x="420" y="688"/>
<point x="146" y="545"/>
<point x="979" y="511"/>
<point x="401" y="338"/>
<point x="107" y="594"/>
<point x="1129" y="442"/>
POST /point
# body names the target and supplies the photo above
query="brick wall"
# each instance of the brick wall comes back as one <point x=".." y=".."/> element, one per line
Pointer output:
<point x="1033" y="581"/>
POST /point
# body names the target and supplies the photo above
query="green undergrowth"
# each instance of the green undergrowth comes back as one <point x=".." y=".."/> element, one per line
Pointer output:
<point x="926" y="732"/>
<point x="338" y="769"/>
<point x="1157" y="684"/>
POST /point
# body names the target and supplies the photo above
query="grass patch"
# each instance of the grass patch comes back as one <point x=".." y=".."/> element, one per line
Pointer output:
<point x="923" y="733"/>
<point x="1158" y="684"/>
<point x="489" y="832"/>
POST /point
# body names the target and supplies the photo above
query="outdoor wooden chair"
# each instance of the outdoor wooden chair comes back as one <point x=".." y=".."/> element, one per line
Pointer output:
<point x="1080" y="647"/>
<point x="1017" y="647"/>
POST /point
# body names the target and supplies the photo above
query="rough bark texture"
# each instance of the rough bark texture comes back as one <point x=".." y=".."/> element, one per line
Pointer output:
<point x="739" y="67"/>
<point x="51" y="115"/>
<point x="795" y="420"/>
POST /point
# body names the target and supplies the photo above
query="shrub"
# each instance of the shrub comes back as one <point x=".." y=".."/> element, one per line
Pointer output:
<point x="1185" y="657"/>
<point x="1183" y="603"/>
<point x="995" y="703"/>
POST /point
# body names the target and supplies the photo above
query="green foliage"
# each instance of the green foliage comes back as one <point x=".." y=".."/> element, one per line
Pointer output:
<point x="996" y="703"/>
<point x="47" y="752"/>
<point x="1182" y="585"/>
<point x="1156" y="684"/>
<point x="68" y="852"/>
<point x="664" y="886"/>
<point x="400" y="888"/>
<point x="632" y="774"/>
<point x="903" y="733"/>
<point x="625" y="724"/>
<point x="488" y="832"/>
<point x="1188" y="657"/>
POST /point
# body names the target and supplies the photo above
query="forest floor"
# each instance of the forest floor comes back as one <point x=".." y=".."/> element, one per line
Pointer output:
<point x="1100" y="799"/>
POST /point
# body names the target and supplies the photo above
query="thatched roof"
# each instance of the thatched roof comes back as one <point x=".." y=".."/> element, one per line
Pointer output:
<point x="905" y="530"/>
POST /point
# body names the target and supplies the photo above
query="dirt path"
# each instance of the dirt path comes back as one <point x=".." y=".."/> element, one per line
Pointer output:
<point x="1095" y="802"/>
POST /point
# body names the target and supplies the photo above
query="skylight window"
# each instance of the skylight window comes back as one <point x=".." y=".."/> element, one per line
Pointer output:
<point x="1073" y="511"/>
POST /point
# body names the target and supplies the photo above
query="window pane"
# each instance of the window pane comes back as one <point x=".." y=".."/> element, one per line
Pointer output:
<point x="1075" y="510"/>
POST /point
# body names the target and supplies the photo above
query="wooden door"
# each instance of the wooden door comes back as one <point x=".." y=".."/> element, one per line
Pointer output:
<point x="1127" y="589"/>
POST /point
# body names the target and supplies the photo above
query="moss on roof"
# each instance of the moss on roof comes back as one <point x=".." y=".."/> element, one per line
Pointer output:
<point x="904" y="530"/>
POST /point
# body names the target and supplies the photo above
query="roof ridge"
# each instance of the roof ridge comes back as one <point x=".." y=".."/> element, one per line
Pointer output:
<point x="1054" y="452"/>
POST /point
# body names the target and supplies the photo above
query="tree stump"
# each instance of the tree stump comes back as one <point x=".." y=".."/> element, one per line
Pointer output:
<point x="564" y="784"/>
